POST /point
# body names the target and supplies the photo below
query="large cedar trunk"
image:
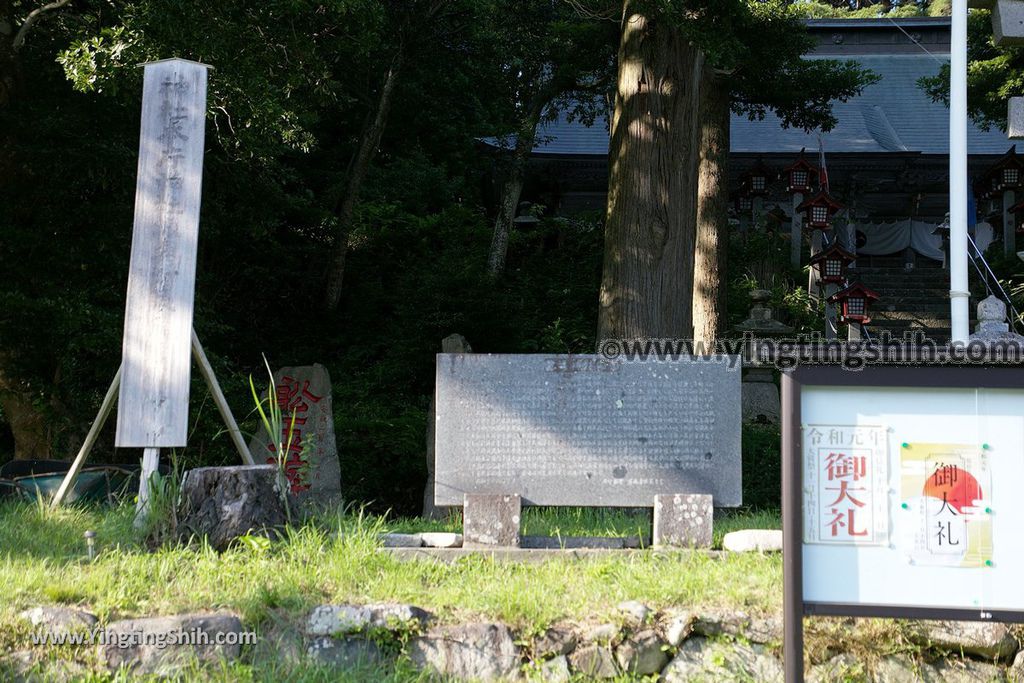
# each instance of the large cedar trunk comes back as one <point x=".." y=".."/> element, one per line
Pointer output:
<point x="647" y="283"/>
<point x="709" y="270"/>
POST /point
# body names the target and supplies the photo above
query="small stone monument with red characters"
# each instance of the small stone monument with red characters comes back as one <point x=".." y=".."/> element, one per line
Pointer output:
<point x="311" y="465"/>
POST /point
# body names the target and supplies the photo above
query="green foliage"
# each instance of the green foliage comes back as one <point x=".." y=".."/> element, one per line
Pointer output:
<point x="762" y="467"/>
<point x="994" y="74"/>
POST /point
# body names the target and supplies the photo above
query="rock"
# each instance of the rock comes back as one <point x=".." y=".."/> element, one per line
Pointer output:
<point x="683" y="520"/>
<point x="679" y="627"/>
<point x="700" y="659"/>
<point x="143" y="638"/>
<point x="438" y="539"/>
<point x="224" y="503"/>
<point x="721" y="622"/>
<point x="635" y="611"/>
<point x="643" y="653"/>
<point x="467" y="652"/>
<point x="602" y="633"/>
<point x="1015" y="673"/>
<point x="901" y="670"/>
<point x="966" y="671"/>
<point x="983" y="638"/>
<point x="764" y="630"/>
<point x="345" y="653"/>
<point x="491" y="520"/>
<point x="401" y="540"/>
<point x="555" y="641"/>
<point x="332" y="620"/>
<point x="840" y="668"/>
<point x="751" y="540"/>
<point x="594" y="661"/>
<point x="52" y="619"/>
<point x="555" y="670"/>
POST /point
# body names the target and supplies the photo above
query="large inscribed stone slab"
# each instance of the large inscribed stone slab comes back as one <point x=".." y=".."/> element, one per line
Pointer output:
<point x="152" y="407"/>
<point x="311" y="464"/>
<point x="584" y="430"/>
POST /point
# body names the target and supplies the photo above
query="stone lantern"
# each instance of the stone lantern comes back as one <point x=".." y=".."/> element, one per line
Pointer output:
<point x="759" y="395"/>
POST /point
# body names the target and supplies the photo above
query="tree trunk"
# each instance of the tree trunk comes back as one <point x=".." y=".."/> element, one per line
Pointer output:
<point x="647" y="283"/>
<point x="368" y="144"/>
<point x="709" y="269"/>
<point x="511" y="190"/>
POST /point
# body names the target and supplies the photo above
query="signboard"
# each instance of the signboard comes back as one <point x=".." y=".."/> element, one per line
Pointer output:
<point x="157" y="348"/>
<point x="901" y="494"/>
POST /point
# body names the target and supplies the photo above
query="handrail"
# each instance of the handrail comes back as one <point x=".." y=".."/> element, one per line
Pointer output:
<point x="1015" y="318"/>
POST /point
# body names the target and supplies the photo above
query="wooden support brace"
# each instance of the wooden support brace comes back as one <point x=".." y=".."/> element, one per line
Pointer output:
<point x="206" y="370"/>
<point x="90" y="440"/>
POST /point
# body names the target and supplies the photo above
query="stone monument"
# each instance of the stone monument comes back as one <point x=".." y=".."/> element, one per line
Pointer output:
<point x="583" y="430"/>
<point x="312" y="466"/>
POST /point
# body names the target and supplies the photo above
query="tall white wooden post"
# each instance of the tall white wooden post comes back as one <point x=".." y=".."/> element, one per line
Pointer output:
<point x="157" y="347"/>
<point x="795" y="230"/>
<point x="958" y="285"/>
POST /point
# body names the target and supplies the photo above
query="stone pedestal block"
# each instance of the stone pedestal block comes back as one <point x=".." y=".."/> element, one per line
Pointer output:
<point x="683" y="520"/>
<point x="491" y="520"/>
<point x="760" y="397"/>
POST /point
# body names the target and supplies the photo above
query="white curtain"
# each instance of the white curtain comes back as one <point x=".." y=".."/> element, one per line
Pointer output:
<point x="892" y="238"/>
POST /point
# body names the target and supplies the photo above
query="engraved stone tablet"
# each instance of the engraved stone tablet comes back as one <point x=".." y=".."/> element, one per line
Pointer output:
<point x="312" y="464"/>
<point x="583" y="430"/>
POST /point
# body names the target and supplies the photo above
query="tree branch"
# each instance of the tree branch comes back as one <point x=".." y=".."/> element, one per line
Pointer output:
<point x="34" y="16"/>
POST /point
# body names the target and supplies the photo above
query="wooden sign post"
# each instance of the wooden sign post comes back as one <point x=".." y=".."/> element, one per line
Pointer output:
<point x="158" y="341"/>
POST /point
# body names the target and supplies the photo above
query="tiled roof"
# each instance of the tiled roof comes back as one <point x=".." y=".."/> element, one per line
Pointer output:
<point x="893" y="115"/>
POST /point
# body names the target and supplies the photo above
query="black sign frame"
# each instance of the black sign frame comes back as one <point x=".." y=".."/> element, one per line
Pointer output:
<point x="794" y="605"/>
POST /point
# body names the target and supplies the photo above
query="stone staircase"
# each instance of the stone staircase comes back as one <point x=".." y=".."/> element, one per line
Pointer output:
<point x="914" y="300"/>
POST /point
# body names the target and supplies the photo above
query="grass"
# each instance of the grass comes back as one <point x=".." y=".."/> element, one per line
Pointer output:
<point x="337" y="559"/>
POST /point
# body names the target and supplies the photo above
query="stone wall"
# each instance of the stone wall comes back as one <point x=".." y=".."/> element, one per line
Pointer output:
<point x="675" y="644"/>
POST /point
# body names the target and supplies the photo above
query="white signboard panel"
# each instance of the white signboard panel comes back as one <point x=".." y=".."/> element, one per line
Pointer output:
<point x="930" y="514"/>
<point x="156" y="353"/>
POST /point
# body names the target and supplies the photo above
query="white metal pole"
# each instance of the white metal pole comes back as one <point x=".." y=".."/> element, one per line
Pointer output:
<point x="958" y="286"/>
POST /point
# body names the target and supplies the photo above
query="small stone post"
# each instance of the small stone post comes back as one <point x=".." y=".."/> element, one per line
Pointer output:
<point x="992" y="323"/>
